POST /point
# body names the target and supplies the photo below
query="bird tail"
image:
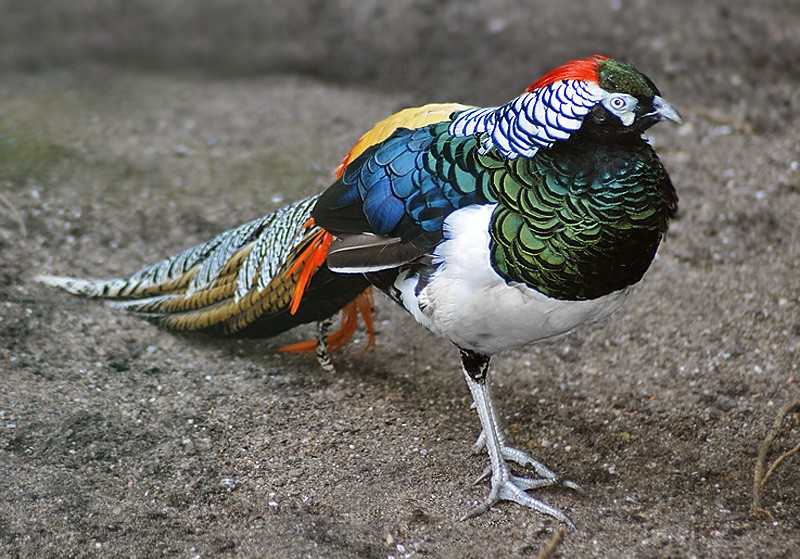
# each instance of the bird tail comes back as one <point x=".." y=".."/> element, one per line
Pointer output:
<point x="259" y="279"/>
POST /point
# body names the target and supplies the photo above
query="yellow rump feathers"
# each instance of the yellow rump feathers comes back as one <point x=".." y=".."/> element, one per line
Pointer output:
<point x="412" y="118"/>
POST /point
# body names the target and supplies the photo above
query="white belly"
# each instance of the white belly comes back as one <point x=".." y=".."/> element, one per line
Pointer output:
<point x="470" y="305"/>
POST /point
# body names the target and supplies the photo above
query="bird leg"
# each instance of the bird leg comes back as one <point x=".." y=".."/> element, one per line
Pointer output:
<point x="505" y="485"/>
<point x="515" y="454"/>
<point x="323" y="356"/>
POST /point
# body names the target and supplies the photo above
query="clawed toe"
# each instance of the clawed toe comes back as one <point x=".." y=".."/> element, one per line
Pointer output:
<point x="514" y="488"/>
<point x="509" y="487"/>
<point x="569" y="484"/>
<point x="546" y="475"/>
<point x="534" y="483"/>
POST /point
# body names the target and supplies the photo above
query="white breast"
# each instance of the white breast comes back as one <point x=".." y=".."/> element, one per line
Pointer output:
<point x="470" y="305"/>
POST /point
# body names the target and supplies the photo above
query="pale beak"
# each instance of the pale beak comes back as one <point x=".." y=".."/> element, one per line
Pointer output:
<point x="665" y="111"/>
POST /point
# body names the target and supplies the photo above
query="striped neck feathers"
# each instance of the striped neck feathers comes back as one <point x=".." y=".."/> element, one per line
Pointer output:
<point x="535" y="120"/>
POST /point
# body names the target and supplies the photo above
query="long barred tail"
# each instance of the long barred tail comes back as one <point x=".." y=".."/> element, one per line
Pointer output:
<point x="250" y="280"/>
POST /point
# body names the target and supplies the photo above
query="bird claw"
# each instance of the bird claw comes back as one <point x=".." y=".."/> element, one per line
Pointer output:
<point x="569" y="484"/>
<point x="480" y="444"/>
<point x="484" y="475"/>
<point x="524" y="459"/>
<point x="513" y="488"/>
<point x="508" y="487"/>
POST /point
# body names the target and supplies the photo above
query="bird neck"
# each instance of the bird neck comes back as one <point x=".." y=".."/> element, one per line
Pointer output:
<point x="532" y="121"/>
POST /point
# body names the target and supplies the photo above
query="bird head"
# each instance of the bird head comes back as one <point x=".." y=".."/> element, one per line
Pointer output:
<point x="594" y="96"/>
<point x="625" y="99"/>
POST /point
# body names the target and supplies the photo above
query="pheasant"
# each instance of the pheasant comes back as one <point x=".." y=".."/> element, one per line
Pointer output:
<point x="493" y="227"/>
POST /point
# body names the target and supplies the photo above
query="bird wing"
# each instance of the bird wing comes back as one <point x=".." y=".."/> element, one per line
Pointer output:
<point x="391" y="199"/>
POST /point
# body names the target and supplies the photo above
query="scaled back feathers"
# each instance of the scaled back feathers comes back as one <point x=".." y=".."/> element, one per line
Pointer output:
<point x="412" y="118"/>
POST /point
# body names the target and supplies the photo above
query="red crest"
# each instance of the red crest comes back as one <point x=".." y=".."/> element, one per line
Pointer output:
<point x="584" y="70"/>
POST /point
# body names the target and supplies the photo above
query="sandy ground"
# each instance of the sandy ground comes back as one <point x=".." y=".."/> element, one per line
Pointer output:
<point x="118" y="439"/>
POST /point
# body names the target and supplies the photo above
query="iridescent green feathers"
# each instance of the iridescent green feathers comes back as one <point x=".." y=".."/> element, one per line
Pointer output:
<point x="579" y="221"/>
<point x="620" y="77"/>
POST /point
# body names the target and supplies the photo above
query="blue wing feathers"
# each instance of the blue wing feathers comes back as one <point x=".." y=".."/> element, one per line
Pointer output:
<point x="405" y="186"/>
<point x="382" y="208"/>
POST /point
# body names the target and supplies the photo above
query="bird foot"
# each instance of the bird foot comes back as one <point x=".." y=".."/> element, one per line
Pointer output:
<point x="546" y="475"/>
<point x="508" y="487"/>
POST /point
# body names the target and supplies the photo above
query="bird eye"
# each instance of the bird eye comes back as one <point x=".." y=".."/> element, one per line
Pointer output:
<point x="623" y="106"/>
<point x="618" y="103"/>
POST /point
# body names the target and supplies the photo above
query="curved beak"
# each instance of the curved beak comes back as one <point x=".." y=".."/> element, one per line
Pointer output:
<point x="665" y="111"/>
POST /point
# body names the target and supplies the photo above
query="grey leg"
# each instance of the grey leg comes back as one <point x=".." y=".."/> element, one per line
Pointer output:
<point x="505" y="485"/>
<point x="515" y="454"/>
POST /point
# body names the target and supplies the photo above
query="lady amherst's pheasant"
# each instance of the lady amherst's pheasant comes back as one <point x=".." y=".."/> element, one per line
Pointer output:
<point x="493" y="227"/>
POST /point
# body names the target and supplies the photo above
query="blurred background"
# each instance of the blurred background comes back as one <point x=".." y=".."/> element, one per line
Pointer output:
<point x="477" y="51"/>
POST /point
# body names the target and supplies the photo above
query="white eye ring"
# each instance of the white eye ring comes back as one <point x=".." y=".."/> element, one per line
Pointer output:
<point x="623" y="106"/>
<point x="618" y="103"/>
